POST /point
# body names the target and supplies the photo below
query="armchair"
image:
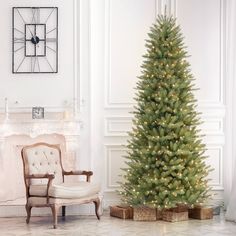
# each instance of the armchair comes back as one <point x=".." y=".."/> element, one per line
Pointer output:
<point x="44" y="181"/>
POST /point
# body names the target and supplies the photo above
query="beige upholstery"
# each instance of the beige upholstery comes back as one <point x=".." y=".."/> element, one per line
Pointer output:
<point x="66" y="190"/>
<point x="60" y="201"/>
<point x="44" y="181"/>
<point x="44" y="160"/>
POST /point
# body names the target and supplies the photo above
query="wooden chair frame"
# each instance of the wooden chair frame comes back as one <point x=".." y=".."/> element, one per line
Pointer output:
<point x="54" y="207"/>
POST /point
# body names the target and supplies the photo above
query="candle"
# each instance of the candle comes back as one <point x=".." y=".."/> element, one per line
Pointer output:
<point x="66" y="115"/>
<point x="6" y="108"/>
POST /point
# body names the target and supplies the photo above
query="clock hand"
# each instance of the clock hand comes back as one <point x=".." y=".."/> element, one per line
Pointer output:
<point x="30" y="31"/>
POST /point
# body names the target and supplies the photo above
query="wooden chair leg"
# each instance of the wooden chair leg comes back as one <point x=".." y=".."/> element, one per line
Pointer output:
<point x="63" y="211"/>
<point x="28" y="211"/>
<point x="55" y="209"/>
<point x="97" y="205"/>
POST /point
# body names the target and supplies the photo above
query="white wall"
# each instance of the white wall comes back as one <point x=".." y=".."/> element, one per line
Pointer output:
<point x="48" y="90"/>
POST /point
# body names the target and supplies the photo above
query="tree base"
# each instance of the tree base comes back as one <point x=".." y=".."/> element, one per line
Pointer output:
<point x="172" y="216"/>
<point x="201" y="213"/>
<point x="122" y="212"/>
<point x="145" y="214"/>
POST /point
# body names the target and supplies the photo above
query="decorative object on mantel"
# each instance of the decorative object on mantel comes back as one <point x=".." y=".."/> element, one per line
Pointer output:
<point x="68" y="110"/>
<point x="123" y="212"/>
<point x="35" y="40"/>
<point x="145" y="214"/>
<point x="37" y="113"/>
<point x="6" y="109"/>
<point x="201" y="212"/>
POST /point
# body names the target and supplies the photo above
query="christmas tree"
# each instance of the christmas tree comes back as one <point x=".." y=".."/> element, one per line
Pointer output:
<point x="165" y="165"/>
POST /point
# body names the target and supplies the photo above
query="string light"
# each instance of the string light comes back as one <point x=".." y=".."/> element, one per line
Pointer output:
<point x="169" y="142"/>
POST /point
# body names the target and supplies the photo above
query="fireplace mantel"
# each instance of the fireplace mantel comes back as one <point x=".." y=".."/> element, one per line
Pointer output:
<point x="34" y="127"/>
<point x="17" y="132"/>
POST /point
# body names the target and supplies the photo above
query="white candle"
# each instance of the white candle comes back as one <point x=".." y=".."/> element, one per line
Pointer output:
<point x="66" y="115"/>
<point x="6" y="107"/>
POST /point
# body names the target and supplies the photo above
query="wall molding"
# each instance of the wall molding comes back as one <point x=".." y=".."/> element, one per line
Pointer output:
<point x="218" y="186"/>
<point x="212" y="126"/>
<point x="76" y="45"/>
<point x="220" y="101"/>
<point x="171" y="6"/>
<point x="112" y="121"/>
<point x="119" y="126"/>
<point x="109" y="187"/>
<point x="109" y="104"/>
<point x="109" y="148"/>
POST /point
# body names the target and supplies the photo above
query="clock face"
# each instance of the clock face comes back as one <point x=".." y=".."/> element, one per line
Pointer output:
<point x="35" y="40"/>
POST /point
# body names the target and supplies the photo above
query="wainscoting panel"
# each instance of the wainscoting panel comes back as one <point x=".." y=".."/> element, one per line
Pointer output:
<point x="127" y="24"/>
<point x="114" y="155"/>
<point x="205" y="45"/>
<point x="212" y="126"/>
<point x="215" y="160"/>
<point x="118" y="126"/>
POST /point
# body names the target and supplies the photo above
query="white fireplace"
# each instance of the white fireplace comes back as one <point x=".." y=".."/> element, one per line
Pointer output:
<point x="17" y="132"/>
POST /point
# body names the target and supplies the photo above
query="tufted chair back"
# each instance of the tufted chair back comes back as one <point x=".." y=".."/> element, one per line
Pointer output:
<point x="42" y="158"/>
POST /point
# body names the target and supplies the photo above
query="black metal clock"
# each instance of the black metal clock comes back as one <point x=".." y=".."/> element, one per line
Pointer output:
<point x="35" y="40"/>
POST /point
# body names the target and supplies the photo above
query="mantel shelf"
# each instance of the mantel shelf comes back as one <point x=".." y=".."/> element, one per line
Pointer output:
<point x="35" y="127"/>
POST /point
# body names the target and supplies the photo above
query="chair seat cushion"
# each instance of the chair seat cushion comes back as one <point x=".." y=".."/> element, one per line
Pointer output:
<point x="66" y="190"/>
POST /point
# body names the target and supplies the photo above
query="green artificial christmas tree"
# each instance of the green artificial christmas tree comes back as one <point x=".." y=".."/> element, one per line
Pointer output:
<point x="165" y="165"/>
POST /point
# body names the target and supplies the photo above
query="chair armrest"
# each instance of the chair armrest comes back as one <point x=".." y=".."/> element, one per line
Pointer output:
<point x="40" y="176"/>
<point x="79" y="172"/>
<point x="50" y="177"/>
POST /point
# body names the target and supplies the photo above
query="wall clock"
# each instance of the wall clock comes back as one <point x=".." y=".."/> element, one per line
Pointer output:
<point x="35" y="40"/>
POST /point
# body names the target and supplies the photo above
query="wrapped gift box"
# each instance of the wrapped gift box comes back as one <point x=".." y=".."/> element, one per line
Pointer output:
<point x="173" y="216"/>
<point x="201" y="213"/>
<point x="145" y="214"/>
<point x="123" y="212"/>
